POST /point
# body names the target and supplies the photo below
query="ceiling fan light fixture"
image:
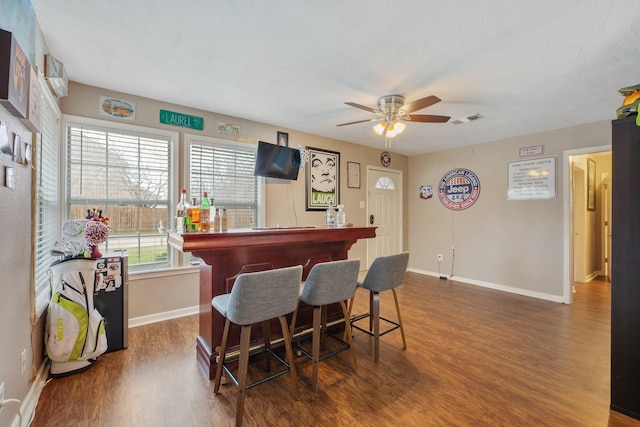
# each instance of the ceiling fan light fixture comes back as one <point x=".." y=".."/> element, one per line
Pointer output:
<point x="380" y="127"/>
<point x="396" y="128"/>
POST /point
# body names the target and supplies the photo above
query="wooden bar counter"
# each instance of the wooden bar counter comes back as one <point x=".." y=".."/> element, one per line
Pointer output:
<point x="225" y="255"/>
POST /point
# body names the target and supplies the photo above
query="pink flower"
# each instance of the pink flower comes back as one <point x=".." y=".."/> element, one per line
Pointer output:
<point x="96" y="232"/>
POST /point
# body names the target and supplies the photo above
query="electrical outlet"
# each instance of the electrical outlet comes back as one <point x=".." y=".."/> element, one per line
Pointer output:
<point x="23" y="362"/>
<point x="1" y="395"/>
<point x="439" y="257"/>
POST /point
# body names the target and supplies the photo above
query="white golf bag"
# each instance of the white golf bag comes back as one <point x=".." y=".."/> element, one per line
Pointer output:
<point x="75" y="330"/>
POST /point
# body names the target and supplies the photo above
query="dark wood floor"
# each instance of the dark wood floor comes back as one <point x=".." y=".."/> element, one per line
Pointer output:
<point x="475" y="357"/>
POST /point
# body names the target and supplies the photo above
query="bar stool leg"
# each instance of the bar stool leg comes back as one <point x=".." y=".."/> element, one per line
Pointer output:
<point x="221" y="356"/>
<point x="395" y="297"/>
<point x="292" y="367"/>
<point x="349" y="338"/>
<point x="315" y="344"/>
<point x="375" y="317"/>
<point x="245" y="335"/>
<point x="266" y="333"/>
<point x="347" y="326"/>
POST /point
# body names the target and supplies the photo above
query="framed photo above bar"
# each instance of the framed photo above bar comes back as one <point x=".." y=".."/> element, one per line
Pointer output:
<point x="323" y="179"/>
<point x="283" y="139"/>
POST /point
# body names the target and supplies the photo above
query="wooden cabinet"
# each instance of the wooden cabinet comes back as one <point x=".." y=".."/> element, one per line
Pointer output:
<point x="625" y="279"/>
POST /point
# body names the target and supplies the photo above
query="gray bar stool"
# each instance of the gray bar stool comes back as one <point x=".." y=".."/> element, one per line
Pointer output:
<point x="254" y="298"/>
<point x="386" y="272"/>
<point x="328" y="283"/>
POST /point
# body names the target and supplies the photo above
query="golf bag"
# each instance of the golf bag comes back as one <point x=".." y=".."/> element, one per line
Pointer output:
<point x="75" y="330"/>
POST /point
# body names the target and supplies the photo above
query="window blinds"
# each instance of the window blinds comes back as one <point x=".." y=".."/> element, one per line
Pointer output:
<point x="226" y="173"/>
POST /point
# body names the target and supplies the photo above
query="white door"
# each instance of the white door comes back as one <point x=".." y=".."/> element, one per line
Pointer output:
<point x="384" y="210"/>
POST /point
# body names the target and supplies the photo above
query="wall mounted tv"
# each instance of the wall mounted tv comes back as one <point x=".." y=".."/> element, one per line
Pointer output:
<point x="277" y="161"/>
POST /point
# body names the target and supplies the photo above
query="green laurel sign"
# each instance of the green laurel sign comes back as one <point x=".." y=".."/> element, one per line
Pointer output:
<point x="183" y="120"/>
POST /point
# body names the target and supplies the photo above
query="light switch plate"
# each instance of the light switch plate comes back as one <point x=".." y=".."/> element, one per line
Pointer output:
<point x="9" y="177"/>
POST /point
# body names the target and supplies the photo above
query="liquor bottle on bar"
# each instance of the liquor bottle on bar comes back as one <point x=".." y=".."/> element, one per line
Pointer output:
<point x="181" y="211"/>
<point x="193" y="215"/>
<point x="205" y="212"/>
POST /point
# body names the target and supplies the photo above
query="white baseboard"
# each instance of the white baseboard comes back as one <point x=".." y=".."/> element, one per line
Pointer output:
<point x="510" y="289"/>
<point x="165" y="315"/>
<point x="28" y="406"/>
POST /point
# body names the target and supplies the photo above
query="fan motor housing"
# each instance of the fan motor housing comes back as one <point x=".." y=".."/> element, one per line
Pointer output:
<point x="390" y="103"/>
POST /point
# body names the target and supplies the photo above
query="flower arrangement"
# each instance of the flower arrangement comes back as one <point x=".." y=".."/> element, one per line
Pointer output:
<point x="96" y="231"/>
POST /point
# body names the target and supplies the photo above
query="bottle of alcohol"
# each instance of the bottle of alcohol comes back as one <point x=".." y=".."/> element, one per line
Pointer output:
<point x="181" y="211"/>
<point x="216" y="220"/>
<point x="224" y="223"/>
<point x="193" y="213"/>
<point x="205" y="212"/>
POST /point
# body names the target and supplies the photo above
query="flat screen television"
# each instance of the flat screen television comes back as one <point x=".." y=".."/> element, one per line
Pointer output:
<point x="277" y="161"/>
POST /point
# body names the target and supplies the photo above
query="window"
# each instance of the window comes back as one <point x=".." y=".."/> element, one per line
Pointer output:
<point x="47" y="211"/>
<point x="225" y="171"/>
<point x="127" y="172"/>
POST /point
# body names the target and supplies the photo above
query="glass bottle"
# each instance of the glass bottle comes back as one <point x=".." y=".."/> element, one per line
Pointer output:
<point x="193" y="215"/>
<point x="205" y="211"/>
<point x="181" y="211"/>
<point x="330" y="216"/>
<point x="216" y="219"/>
<point x="341" y="217"/>
<point x="224" y="224"/>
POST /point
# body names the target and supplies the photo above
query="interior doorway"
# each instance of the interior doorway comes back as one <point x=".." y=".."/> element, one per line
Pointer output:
<point x="588" y="227"/>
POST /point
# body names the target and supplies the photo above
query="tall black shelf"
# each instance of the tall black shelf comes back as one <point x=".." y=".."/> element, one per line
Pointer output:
<point x="625" y="263"/>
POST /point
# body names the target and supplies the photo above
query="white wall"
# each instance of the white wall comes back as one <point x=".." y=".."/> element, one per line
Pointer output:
<point x="513" y="245"/>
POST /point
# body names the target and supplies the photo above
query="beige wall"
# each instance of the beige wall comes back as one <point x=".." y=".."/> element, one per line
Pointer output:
<point x="284" y="201"/>
<point x="499" y="243"/>
<point x="15" y="268"/>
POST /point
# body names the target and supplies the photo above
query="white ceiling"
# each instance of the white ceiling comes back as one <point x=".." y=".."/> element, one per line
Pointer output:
<point x="525" y="66"/>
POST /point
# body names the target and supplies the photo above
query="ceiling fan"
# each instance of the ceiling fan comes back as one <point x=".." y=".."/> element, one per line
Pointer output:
<point x="392" y="111"/>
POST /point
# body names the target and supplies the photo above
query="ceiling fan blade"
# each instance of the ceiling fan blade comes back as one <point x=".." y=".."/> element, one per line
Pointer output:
<point x="363" y="107"/>
<point x="377" y="119"/>
<point x="419" y="104"/>
<point x="426" y="118"/>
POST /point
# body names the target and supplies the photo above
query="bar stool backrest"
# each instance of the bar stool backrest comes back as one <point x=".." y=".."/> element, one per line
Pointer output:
<point x="386" y="272"/>
<point x="264" y="295"/>
<point x="330" y="282"/>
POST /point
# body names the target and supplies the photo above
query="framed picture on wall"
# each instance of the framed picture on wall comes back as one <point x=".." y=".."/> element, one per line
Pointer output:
<point x="323" y="179"/>
<point x="591" y="185"/>
<point x="283" y="139"/>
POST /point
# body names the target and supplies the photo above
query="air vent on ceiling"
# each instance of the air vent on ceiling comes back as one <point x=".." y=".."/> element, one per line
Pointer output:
<point x="467" y="119"/>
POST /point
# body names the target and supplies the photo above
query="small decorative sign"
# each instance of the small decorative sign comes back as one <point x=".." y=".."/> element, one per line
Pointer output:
<point x="426" y="192"/>
<point x="118" y="108"/>
<point x="459" y="189"/>
<point x="532" y="179"/>
<point x="182" y="120"/>
<point x="228" y="129"/>
<point x="534" y="150"/>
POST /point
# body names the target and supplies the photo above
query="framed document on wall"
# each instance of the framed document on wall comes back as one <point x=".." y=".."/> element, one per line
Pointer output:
<point x="353" y="175"/>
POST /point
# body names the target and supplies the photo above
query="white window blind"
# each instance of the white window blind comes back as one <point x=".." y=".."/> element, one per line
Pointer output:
<point x="225" y="172"/>
<point x="126" y="174"/>
<point x="47" y="212"/>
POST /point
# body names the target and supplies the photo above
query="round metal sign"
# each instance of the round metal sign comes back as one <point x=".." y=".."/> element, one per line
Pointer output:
<point x="459" y="189"/>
